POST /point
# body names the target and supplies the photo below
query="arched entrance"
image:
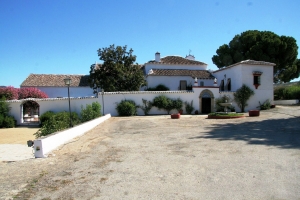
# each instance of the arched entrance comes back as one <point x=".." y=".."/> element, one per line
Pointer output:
<point x="30" y="112"/>
<point x="206" y="101"/>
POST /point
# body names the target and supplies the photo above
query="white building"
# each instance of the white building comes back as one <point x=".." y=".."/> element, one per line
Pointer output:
<point x="54" y="86"/>
<point x="177" y="73"/>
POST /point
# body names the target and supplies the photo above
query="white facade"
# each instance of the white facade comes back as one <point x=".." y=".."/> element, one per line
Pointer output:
<point x="243" y="74"/>
<point x="55" y="92"/>
<point x="173" y="78"/>
<point x="173" y="82"/>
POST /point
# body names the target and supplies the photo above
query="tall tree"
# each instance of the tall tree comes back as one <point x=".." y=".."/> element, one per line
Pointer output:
<point x="262" y="46"/>
<point x="119" y="72"/>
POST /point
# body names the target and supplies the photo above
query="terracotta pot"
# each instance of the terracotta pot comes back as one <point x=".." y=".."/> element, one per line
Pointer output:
<point x="253" y="113"/>
<point x="273" y="106"/>
<point x="180" y="111"/>
<point x="224" y="117"/>
<point x="196" y="112"/>
<point x="175" y="116"/>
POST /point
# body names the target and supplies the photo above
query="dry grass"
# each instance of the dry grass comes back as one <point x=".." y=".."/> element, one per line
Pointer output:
<point x="18" y="135"/>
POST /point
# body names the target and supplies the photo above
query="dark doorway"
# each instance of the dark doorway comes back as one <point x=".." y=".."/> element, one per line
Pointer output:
<point x="206" y="105"/>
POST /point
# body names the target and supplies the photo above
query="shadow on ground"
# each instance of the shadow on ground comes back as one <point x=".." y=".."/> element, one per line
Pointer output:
<point x="282" y="133"/>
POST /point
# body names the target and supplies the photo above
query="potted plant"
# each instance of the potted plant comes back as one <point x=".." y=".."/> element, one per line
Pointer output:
<point x="175" y="116"/>
<point x="253" y="113"/>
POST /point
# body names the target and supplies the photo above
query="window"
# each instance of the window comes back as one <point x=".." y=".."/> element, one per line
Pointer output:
<point x="183" y="85"/>
<point x="201" y="83"/>
<point x="256" y="78"/>
<point x="228" y="85"/>
<point x="222" y="85"/>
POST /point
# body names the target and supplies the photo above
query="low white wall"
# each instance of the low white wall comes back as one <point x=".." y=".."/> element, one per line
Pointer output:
<point x="45" y="145"/>
<point x="111" y="99"/>
<point x="286" y="102"/>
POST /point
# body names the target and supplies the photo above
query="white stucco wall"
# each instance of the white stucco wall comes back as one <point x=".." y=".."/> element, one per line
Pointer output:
<point x="173" y="82"/>
<point x="54" y="92"/>
<point x="234" y="73"/>
<point x="50" y="104"/>
<point x="243" y="74"/>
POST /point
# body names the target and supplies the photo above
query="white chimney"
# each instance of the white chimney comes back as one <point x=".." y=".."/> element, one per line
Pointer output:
<point x="157" y="57"/>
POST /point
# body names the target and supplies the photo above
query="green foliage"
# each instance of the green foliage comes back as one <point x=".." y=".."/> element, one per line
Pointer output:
<point x="177" y="104"/>
<point x="90" y="112"/>
<point x="6" y="121"/>
<point x="189" y="108"/>
<point x="159" y="87"/>
<point x="46" y="116"/>
<point x="146" y="107"/>
<point x="223" y="99"/>
<point x="287" y="93"/>
<point x="165" y="103"/>
<point x="265" y="106"/>
<point x="118" y="71"/>
<point x="127" y="108"/>
<point x="264" y="46"/>
<point x="51" y="126"/>
<point x="4" y="107"/>
<point x="53" y="122"/>
<point x="242" y="95"/>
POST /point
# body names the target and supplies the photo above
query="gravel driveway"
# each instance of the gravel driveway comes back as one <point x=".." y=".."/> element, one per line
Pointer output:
<point x="159" y="158"/>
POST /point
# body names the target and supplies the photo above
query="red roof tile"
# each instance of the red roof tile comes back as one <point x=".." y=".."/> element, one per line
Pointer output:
<point x="248" y="62"/>
<point x="200" y="74"/>
<point x="177" y="60"/>
<point x="54" y="80"/>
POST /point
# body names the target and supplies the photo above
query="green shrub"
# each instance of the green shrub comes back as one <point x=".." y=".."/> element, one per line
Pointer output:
<point x="53" y="122"/>
<point x="1" y="120"/>
<point x="127" y="108"/>
<point x="165" y="103"/>
<point x="287" y="93"/>
<point x="8" y="122"/>
<point x="146" y="107"/>
<point x="177" y="104"/>
<point x="51" y="126"/>
<point x="189" y="107"/>
<point x="90" y="112"/>
<point x="4" y="107"/>
<point x="265" y="106"/>
<point x="159" y="87"/>
<point x="242" y="95"/>
<point x="46" y="116"/>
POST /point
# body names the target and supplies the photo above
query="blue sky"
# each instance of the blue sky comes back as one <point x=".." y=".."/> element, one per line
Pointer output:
<point x="63" y="36"/>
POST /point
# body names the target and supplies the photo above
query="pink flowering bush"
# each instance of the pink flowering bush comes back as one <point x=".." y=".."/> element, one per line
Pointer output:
<point x="9" y="93"/>
<point x="31" y="92"/>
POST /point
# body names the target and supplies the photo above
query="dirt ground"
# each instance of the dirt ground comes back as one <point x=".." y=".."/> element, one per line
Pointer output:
<point x="18" y="135"/>
<point x="159" y="158"/>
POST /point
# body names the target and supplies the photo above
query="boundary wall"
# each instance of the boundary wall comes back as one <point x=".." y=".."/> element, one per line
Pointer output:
<point x="109" y="101"/>
<point x="44" y="145"/>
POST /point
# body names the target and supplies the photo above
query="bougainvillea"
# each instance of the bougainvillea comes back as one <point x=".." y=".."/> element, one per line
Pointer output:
<point x="31" y="92"/>
<point x="9" y="93"/>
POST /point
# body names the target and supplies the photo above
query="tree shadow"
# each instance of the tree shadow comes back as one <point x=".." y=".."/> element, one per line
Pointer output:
<point x="282" y="133"/>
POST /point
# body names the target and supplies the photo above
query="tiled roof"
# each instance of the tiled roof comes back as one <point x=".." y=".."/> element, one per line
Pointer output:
<point x="248" y="62"/>
<point x="54" y="80"/>
<point x="200" y="74"/>
<point x="176" y="60"/>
